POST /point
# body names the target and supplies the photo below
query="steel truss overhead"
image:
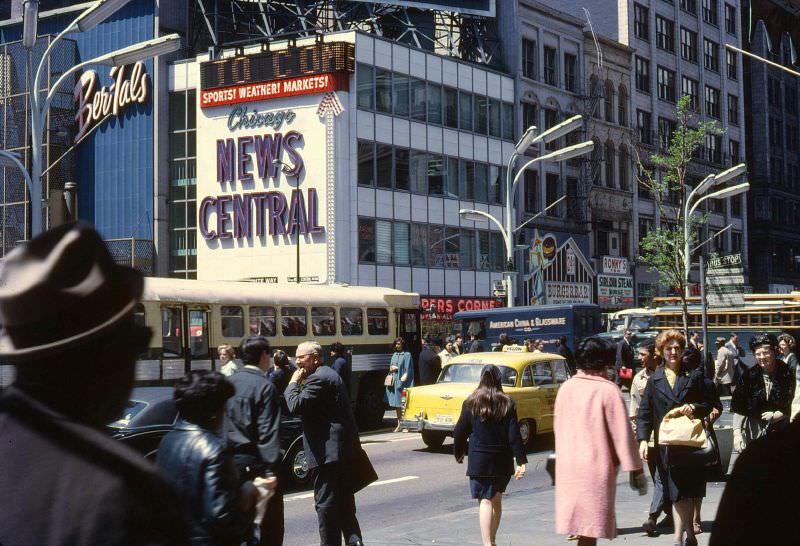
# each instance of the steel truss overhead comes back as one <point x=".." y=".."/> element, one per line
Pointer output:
<point x="219" y="24"/>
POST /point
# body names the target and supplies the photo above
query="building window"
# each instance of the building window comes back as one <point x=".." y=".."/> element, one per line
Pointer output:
<point x="182" y="186"/>
<point x="530" y="115"/>
<point x="383" y="90"/>
<point x="601" y="242"/>
<point x="712" y="102"/>
<point x="507" y="109"/>
<point x="622" y="104"/>
<point x="529" y="58"/>
<point x="690" y="88"/>
<point x="400" y="243"/>
<point x="481" y="114"/>
<point x="688" y="44"/>
<point x="736" y="206"/>
<point x="531" y="190"/>
<point x="710" y="55"/>
<point x="552" y="193"/>
<point x="730" y="61"/>
<point x="641" y="16"/>
<point x="734" y="152"/>
<point x="624" y="168"/>
<point x="550" y="66"/>
<point x="594" y="96"/>
<point x="773" y="92"/>
<point x="466" y="181"/>
<point x="609" y="102"/>
<point x="643" y="127"/>
<point x="570" y="70"/>
<point x="690" y="6"/>
<point x="451" y="107"/>
<point x="434" y="96"/>
<point x="401" y="168"/>
<point x="418" y="102"/>
<point x="383" y="165"/>
<point x="665" y="34"/>
<point x="666" y="84"/>
<point x="419" y="245"/>
<point x="666" y="127"/>
<point x="467" y="249"/>
<point x="736" y="240"/>
<point x="465" y="111"/>
<point x="730" y="19"/>
<point x="712" y="145"/>
<point x="418" y="171"/>
<point x="597" y="160"/>
<point x="401" y="94"/>
<point x="610" y="156"/>
<point x="550" y="120"/>
<point x="494" y="118"/>
<point x="383" y="242"/>
<point x="366" y="86"/>
<point x="642" y="75"/>
<point x="710" y="12"/>
<point x="366" y="163"/>
<point x="733" y="110"/>
<point x="366" y="240"/>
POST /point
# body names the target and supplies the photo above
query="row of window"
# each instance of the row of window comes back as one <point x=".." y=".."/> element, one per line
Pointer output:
<point x="641" y="17"/>
<point x="550" y="73"/>
<point x="262" y="321"/>
<point x="182" y="185"/>
<point x="608" y="155"/>
<point x="666" y="84"/>
<point x="608" y="101"/>
<point x="387" y="242"/>
<point x="388" y="92"/>
<point x="666" y="127"/>
<point x="392" y="167"/>
<point x="716" y="243"/>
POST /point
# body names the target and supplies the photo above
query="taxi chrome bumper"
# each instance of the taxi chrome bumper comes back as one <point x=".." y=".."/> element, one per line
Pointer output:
<point x="418" y="425"/>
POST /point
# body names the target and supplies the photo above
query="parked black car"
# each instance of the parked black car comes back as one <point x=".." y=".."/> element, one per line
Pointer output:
<point x="151" y="412"/>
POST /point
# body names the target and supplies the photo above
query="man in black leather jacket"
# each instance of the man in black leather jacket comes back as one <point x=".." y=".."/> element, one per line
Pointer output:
<point x="195" y="458"/>
<point x="330" y="438"/>
<point x="253" y="430"/>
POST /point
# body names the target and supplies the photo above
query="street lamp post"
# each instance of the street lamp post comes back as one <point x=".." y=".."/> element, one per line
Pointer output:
<point x="507" y="230"/>
<point x="696" y="197"/>
<point x="87" y="20"/>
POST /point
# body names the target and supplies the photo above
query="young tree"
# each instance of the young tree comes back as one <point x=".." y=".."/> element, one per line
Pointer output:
<point x="662" y="249"/>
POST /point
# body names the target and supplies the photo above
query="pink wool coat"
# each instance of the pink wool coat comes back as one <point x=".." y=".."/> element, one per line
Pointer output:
<point x="593" y="439"/>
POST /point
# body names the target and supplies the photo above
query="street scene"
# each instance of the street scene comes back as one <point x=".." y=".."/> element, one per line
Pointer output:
<point x="491" y="272"/>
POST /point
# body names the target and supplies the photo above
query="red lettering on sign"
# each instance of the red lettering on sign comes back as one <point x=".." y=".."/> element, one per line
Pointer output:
<point x="252" y="92"/>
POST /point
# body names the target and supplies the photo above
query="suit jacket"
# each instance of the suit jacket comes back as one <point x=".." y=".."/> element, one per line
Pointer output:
<point x="429" y="366"/>
<point x="492" y="445"/>
<point x="253" y="420"/>
<point x="197" y="462"/>
<point x="659" y="398"/>
<point x="341" y="366"/>
<point x="724" y="366"/>
<point x="624" y="354"/>
<point x="750" y="397"/>
<point x="566" y="352"/>
<point x="329" y="427"/>
<point x="65" y="482"/>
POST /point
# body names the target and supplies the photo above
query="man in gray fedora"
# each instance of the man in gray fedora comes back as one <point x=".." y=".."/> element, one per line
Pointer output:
<point x="67" y="316"/>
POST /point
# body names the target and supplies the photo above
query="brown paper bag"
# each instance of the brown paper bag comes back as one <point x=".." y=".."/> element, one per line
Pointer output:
<point x="680" y="430"/>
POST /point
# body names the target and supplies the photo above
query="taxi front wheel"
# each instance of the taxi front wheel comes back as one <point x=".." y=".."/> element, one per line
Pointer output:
<point x="433" y="438"/>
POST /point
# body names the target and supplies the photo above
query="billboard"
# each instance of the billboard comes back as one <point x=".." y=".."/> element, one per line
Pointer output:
<point x="484" y="8"/>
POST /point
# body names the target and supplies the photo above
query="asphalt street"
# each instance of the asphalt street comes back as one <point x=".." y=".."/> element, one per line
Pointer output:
<point x="415" y="484"/>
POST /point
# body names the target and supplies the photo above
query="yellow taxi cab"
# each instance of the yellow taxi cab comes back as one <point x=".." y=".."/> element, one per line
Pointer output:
<point x="531" y="379"/>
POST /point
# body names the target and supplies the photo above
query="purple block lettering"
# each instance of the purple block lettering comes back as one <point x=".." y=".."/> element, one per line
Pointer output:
<point x="245" y="161"/>
<point x="268" y="150"/>
<point x="294" y="155"/>
<point x="223" y="218"/>
<point x="202" y="220"/>
<point x="297" y="213"/>
<point x="277" y="210"/>
<point x="241" y="216"/>
<point x="226" y="170"/>
<point x="313" y="212"/>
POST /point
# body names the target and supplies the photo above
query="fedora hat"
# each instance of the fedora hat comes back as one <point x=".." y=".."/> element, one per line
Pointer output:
<point x="60" y="289"/>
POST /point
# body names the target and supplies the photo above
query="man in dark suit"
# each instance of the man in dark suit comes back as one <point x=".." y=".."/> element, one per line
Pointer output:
<point x="67" y="313"/>
<point x="253" y="430"/>
<point x="624" y="355"/>
<point x="330" y="438"/>
<point x="566" y="352"/>
<point x="429" y="364"/>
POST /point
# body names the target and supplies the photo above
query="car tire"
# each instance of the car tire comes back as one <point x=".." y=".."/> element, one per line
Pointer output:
<point x="296" y="466"/>
<point x="371" y="405"/>
<point x="433" y="438"/>
<point x="527" y="432"/>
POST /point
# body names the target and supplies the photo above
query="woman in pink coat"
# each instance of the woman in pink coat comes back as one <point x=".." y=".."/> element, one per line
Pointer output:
<point x="593" y="439"/>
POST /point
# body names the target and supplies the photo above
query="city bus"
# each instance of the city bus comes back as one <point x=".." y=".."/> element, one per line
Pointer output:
<point x="539" y="322"/>
<point x="629" y="319"/>
<point x="191" y="318"/>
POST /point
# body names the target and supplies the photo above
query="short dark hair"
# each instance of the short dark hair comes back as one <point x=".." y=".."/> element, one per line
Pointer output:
<point x="253" y="347"/>
<point x="201" y="394"/>
<point x="595" y="353"/>
<point x="650" y="345"/>
<point x="763" y="339"/>
<point x="690" y="359"/>
<point x="337" y="348"/>
<point x="402" y="343"/>
<point x="280" y="358"/>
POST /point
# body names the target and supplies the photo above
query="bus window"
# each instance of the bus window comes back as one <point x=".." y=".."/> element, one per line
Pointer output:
<point x="294" y="321"/>
<point x="409" y="323"/>
<point x="138" y="316"/>
<point x="171" y="319"/>
<point x="323" y="321"/>
<point x="377" y="322"/>
<point x="477" y="328"/>
<point x="198" y="333"/>
<point x="352" y="321"/>
<point x="262" y="321"/>
<point x="231" y="321"/>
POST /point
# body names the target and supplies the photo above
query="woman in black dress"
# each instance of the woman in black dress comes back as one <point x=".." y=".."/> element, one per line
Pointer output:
<point x="674" y="386"/>
<point x="489" y="421"/>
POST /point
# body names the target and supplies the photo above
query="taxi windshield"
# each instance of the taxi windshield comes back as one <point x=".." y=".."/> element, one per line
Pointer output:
<point x="471" y="373"/>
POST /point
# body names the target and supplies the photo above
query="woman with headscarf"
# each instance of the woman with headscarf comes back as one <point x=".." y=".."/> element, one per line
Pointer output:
<point x="764" y="392"/>
<point x="674" y="386"/>
<point x="591" y="418"/>
<point x="488" y="433"/>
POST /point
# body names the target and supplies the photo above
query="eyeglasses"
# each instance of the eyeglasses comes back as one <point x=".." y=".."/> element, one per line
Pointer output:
<point x="303" y="355"/>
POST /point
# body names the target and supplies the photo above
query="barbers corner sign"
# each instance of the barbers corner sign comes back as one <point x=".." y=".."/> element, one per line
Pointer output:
<point x="96" y="103"/>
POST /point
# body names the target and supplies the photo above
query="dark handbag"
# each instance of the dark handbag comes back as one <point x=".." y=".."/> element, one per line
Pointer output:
<point x="363" y="473"/>
<point x="704" y="459"/>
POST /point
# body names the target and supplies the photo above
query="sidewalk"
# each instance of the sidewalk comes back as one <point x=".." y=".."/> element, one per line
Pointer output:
<point x="528" y="519"/>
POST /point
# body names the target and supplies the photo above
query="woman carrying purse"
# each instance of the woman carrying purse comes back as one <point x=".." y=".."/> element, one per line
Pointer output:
<point x="673" y="386"/>
<point x="401" y="368"/>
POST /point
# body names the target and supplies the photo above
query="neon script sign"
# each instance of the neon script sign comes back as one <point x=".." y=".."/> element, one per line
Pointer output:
<point x="96" y="103"/>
